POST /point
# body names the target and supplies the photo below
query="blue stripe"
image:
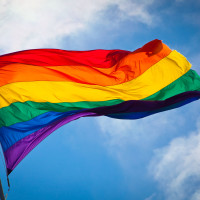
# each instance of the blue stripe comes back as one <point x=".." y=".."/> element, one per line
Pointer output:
<point x="11" y="134"/>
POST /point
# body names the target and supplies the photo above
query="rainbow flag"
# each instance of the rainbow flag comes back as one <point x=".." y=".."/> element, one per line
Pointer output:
<point x="43" y="89"/>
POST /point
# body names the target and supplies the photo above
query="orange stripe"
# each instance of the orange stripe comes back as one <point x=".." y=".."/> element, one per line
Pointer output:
<point x="128" y="68"/>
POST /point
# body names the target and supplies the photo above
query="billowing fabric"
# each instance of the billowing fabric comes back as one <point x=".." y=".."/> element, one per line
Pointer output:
<point x="43" y="89"/>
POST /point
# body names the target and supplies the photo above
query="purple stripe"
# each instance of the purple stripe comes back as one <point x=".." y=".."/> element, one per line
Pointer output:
<point x="20" y="149"/>
<point x="144" y="106"/>
<point x="138" y="115"/>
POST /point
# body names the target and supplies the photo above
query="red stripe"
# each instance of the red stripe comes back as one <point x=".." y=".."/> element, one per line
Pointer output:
<point x="94" y="58"/>
<point x="57" y="57"/>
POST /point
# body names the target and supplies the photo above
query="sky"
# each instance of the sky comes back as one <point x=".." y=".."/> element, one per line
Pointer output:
<point x="95" y="158"/>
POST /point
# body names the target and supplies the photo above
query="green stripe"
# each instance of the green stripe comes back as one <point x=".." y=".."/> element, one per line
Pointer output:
<point x="19" y="112"/>
<point x="188" y="82"/>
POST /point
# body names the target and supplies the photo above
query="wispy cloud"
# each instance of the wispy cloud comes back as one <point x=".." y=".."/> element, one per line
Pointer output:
<point x="176" y="167"/>
<point x="132" y="143"/>
<point x="195" y="60"/>
<point x="152" y="197"/>
<point x="143" y="131"/>
<point x="43" y="23"/>
<point x="126" y="140"/>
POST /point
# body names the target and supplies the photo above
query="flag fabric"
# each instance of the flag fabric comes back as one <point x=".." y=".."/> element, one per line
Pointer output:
<point x="43" y="89"/>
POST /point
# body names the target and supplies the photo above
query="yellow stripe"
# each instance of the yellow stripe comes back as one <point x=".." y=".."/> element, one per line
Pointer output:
<point x="154" y="79"/>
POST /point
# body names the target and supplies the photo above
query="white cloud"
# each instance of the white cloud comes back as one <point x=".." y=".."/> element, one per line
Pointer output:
<point x="176" y="167"/>
<point x="196" y="195"/>
<point x="143" y="132"/>
<point x="195" y="60"/>
<point x="137" y="10"/>
<point x="130" y="142"/>
<point x="43" y="23"/>
<point x="152" y="197"/>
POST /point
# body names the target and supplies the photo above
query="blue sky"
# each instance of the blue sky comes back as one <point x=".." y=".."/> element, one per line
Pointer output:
<point x="155" y="158"/>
